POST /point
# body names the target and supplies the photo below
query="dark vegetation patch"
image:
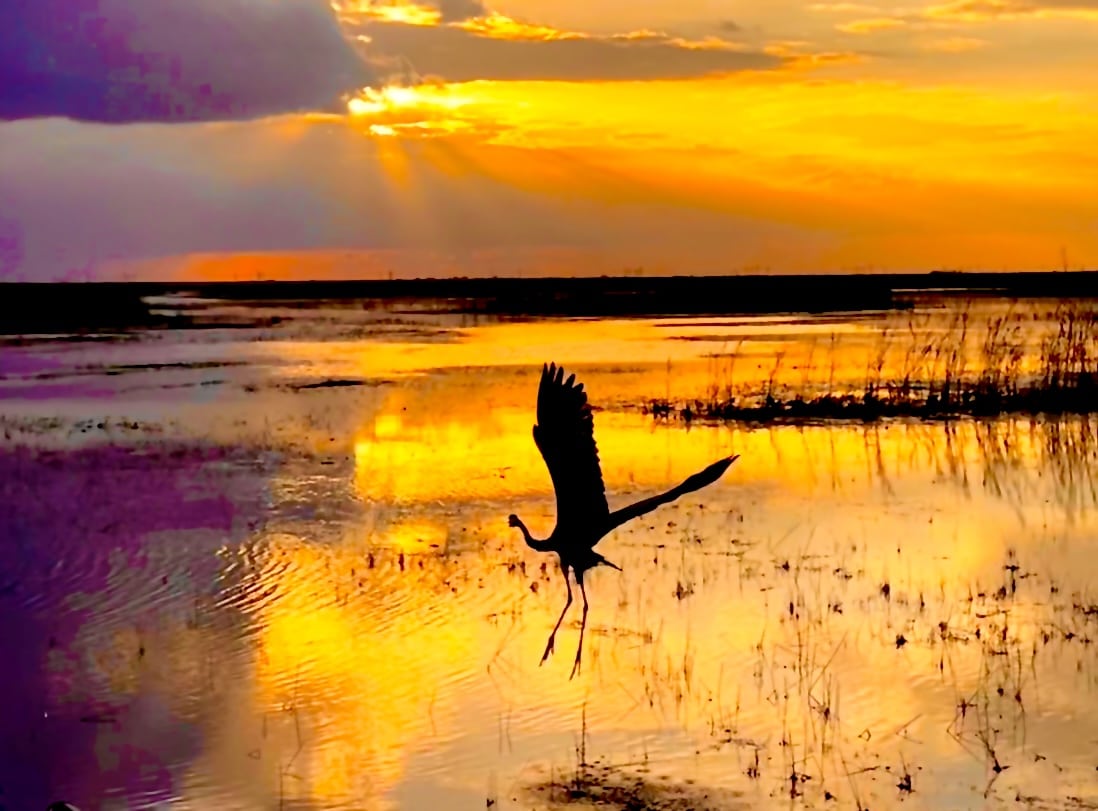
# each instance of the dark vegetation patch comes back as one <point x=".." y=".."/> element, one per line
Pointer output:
<point x="332" y="383"/>
<point x="613" y="788"/>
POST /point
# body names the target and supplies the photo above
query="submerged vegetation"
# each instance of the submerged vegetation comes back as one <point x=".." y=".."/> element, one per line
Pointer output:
<point x="1003" y="365"/>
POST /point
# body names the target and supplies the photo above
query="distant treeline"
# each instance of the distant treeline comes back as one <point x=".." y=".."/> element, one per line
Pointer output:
<point x="28" y="308"/>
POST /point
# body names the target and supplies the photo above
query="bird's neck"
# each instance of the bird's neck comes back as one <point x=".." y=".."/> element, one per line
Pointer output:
<point x="531" y="541"/>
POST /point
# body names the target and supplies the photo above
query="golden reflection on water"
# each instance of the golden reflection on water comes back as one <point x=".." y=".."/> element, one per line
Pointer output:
<point x="637" y="360"/>
<point x="357" y="669"/>
<point x="927" y="509"/>
<point x="930" y="509"/>
<point x="375" y="641"/>
<point x="411" y="453"/>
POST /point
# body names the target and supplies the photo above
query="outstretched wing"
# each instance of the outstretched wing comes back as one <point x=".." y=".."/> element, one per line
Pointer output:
<point x="692" y="483"/>
<point x="565" y="435"/>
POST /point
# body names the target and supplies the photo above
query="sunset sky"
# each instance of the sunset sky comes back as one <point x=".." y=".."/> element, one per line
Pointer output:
<point x="301" y="138"/>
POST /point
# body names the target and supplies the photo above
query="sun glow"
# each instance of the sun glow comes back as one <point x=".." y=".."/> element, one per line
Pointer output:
<point x="401" y="13"/>
<point x="372" y="101"/>
<point x="405" y="106"/>
<point x="413" y="111"/>
<point x="888" y="155"/>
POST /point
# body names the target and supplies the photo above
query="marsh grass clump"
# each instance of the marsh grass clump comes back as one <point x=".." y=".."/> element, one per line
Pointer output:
<point x="1000" y="365"/>
<point x="612" y="788"/>
<point x="596" y="783"/>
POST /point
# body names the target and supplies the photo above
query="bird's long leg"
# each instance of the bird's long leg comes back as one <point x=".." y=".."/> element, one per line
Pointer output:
<point x="552" y="636"/>
<point x="583" y="626"/>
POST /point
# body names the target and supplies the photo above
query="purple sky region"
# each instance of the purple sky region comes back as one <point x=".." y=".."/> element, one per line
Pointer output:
<point x="120" y="61"/>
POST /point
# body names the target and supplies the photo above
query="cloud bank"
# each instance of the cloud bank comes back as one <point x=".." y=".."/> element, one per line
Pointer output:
<point x="459" y="54"/>
<point x="118" y="61"/>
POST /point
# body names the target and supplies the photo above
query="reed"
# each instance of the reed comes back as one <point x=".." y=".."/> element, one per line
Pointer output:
<point x="964" y="370"/>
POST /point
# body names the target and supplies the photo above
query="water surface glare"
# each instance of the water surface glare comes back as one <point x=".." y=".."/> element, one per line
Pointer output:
<point x="261" y="570"/>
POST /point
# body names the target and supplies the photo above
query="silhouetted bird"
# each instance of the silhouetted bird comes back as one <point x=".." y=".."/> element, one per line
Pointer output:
<point x="565" y="436"/>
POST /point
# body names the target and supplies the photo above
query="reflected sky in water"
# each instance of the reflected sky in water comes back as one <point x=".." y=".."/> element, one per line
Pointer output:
<point x="232" y="583"/>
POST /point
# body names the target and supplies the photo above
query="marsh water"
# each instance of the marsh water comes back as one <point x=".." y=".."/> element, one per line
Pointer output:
<point x="269" y="566"/>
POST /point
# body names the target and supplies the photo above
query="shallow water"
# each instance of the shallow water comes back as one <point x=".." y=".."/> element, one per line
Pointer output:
<point x="271" y="568"/>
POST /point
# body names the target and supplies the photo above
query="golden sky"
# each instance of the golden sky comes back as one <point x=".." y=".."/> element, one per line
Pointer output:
<point x="526" y="136"/>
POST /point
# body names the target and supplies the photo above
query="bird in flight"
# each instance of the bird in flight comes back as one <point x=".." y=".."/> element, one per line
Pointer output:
<point x="565" y="435"/>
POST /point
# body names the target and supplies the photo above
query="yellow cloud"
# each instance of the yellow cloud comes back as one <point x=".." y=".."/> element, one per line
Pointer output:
<point x="800" y="56"/>
<point x="982" y="10"/>
<point x="494" y="25"/>
<point x="871" y="25"/>
<point x="499" y="26"/>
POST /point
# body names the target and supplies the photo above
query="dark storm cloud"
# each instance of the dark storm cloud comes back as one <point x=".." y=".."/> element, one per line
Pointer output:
<point x="172" y="60"/>
<point x="457" y="55"/>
